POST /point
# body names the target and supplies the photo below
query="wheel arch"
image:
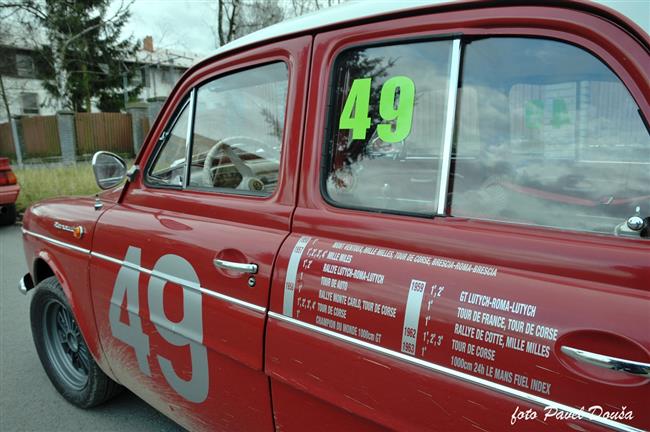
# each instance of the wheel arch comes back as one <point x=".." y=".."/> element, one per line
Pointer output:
<point x="41" y="270"/>
<point x="47" y="265"/>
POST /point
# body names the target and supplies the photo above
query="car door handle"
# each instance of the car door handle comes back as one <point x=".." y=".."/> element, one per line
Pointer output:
<point x="234" y="266"/>
<point x="613" y="363"/>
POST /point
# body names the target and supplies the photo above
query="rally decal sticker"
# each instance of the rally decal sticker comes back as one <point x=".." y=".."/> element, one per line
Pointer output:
<point x="292" y="273"/>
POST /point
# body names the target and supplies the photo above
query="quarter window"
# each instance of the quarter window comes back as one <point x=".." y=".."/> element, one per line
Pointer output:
<point x="238" y="130"/>
<point x="547" y="135"/>
<point x="169" y="168"/>
<point x="387" y="127"/>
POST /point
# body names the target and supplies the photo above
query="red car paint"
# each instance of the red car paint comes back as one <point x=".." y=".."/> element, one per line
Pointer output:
<point x="320" y="342"/>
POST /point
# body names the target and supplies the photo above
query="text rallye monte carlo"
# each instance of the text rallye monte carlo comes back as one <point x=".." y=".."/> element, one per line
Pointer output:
<point x="431" y="217"/>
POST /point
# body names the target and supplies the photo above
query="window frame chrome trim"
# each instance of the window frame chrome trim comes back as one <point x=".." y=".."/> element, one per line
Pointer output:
<point x="326" y="150"/>
<point x="189" y="135"/>
<point x="158" y="147"/>
<point x="450" y="123"/>
<point x="499" y="388"/>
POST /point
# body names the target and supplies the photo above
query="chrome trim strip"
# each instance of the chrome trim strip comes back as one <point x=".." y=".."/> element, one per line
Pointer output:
<point x="56" y="242"/>
<point x="188" y="139"/>
<point x="163" y="276"/>
<point x="631" y="367"/>
<point x="181" y="331"/>
<point x="450" y="117"/>
<point x="182" y="282"/>
<point x="538" y="400"/>
<point x="115" y="261"/>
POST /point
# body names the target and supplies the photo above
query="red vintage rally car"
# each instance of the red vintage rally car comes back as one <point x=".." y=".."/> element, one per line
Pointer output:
<point x="413" y="217"/>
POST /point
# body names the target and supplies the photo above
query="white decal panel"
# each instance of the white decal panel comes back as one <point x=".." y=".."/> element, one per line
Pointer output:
<point x="404" y="302"/>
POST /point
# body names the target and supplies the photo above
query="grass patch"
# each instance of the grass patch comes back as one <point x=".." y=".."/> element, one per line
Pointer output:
<point x="37" y="183"/>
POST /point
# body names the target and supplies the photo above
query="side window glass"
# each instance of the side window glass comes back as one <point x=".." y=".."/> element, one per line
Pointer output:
<point x="169" y="168"/>
<point x="238" y="127"/>
<point x="386" y="127"/>
<point x="547" y="135"/>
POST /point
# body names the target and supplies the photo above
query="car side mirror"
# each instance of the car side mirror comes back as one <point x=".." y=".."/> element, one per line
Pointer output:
<point x="109" y="169"/>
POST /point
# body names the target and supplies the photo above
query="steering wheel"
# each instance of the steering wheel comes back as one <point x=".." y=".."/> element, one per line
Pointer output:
<point x="249" y="181"/>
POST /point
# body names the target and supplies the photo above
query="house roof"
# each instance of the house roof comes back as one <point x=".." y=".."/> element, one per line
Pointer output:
<point x="167" y="58"/>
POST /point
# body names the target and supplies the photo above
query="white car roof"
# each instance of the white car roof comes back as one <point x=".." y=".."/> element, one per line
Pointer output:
<point x="638" y="11"/>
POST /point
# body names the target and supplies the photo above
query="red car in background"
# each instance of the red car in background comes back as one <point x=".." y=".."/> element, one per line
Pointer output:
<point x="9" y="190"/>
<point x="389" y="215"/>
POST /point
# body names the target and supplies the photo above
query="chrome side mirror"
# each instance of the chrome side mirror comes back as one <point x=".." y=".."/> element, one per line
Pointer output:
<point x="109" y="169"/>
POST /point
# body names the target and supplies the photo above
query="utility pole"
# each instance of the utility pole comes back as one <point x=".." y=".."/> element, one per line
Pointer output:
<point x="16" y="139"/>
<point x="125" y="85"/>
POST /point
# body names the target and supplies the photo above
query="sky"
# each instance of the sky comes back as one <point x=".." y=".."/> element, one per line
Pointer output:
<point x="188" y="25"/>
<point x="181" y="25"/>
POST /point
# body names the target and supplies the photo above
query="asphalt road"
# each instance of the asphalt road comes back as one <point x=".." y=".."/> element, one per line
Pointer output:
<point x="28" y="402"/>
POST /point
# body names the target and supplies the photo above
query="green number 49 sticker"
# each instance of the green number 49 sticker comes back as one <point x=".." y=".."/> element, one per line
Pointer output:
<point x="398" y="118"/>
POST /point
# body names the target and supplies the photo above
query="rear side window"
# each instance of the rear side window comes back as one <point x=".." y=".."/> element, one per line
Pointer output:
<point x="544" y="134"/>
<point x="387" y="127"/>
<point x="547" y="135"/>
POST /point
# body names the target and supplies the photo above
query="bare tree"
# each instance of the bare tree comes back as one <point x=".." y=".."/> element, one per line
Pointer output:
<point x="301" y="7"/>
<point x="236" y="18"/>
<point x="257" y="15"/>
<point x="5" y="100"/>
<point x="228" y="12"/>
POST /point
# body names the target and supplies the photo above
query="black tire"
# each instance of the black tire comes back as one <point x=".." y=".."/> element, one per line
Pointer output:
<point x="63" y="351"/>
<point x="8" y="214"/>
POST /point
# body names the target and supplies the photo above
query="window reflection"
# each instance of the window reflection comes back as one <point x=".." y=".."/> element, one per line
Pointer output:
<point x="238" y="130"/>
<point x="547" y="135"/>
<point x="372" y="172"/>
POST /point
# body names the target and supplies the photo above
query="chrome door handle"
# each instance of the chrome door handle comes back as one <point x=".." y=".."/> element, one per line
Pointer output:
<point x="234" y="266"/>
<point x="613" y="363"/>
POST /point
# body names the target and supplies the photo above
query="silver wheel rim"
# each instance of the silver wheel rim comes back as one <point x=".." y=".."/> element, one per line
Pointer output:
<point x="65" y="347"/>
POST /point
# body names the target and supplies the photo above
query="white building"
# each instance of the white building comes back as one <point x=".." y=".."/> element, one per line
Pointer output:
<point x="158" y="72"/>
<point x="160" y="69"/>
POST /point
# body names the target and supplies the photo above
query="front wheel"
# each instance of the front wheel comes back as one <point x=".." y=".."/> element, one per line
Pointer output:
<point x="63" y="350"/>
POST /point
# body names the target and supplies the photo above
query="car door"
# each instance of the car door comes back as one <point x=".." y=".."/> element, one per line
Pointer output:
<point x="460" y="258"/>
<point x="181" y="267"/>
